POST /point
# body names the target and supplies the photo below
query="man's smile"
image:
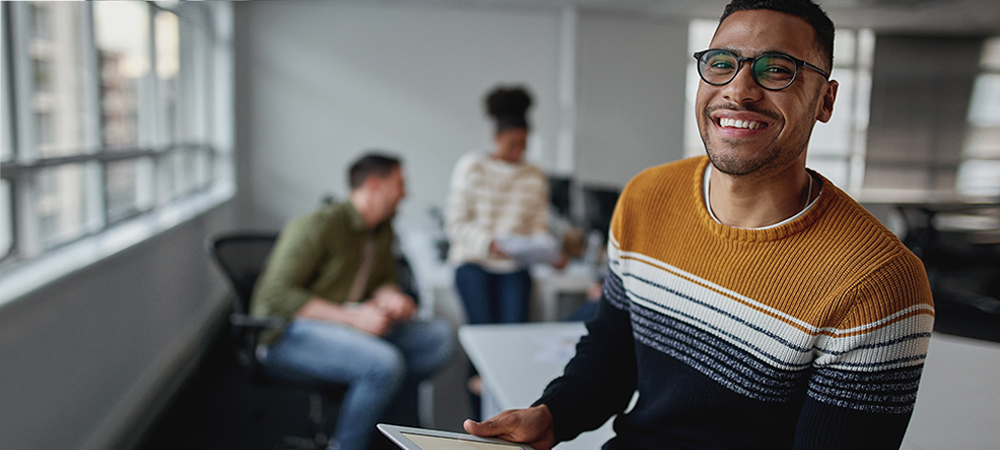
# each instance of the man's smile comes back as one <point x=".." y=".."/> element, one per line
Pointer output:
<point x="736" y="123"/>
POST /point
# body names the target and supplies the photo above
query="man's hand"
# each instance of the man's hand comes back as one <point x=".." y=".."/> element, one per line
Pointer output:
<point x="532" y="426"/>
<point x="370" y="319"/>
<point x="365" y="317"/>
<point x="393" y="303"/>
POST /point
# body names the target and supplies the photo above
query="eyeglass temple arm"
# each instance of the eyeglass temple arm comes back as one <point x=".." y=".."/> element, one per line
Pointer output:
<point x="821" y="71"/>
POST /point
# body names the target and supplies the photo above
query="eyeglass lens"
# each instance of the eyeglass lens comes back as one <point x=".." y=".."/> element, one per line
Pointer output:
<point x="770" y="71"/>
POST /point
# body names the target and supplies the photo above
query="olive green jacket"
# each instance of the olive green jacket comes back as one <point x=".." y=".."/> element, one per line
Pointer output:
<point x="318" y="255"/>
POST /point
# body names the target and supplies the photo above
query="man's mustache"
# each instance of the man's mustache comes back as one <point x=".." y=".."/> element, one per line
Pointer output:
<point x="742" y="108"/>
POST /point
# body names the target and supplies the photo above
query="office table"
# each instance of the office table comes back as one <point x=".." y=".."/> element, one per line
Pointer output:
<point x="517" y="361"/>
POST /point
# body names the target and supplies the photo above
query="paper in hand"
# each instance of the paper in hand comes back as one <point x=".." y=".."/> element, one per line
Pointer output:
<point x="539" y="248"/>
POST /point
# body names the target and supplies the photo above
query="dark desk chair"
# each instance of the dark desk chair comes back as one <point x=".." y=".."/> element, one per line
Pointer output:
<point x="241" y="257"/>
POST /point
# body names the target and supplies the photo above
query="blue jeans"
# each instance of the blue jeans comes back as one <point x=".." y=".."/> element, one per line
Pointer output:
<point x="382" y="373"/>
<point x="493" y="297"/>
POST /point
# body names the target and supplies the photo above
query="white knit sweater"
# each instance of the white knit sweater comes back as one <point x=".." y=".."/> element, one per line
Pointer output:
<point x="489" y="199"/>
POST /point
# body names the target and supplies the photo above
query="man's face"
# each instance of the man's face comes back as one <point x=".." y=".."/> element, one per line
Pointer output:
<point x="748" y="129"/>
<point x="389" y="192"/>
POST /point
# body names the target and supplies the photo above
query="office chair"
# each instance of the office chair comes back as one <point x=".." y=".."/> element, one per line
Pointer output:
<point x="241" y="257"/>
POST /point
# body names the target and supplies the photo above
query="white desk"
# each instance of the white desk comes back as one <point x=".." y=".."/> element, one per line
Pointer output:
<point x="957" y="403"/>
<point x="516" y="362"/>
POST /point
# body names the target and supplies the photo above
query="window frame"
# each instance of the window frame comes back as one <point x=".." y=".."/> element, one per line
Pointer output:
<point x="27" y="254"/>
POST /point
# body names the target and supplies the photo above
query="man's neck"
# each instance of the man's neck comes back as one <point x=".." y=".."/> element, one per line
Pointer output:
<point x="755" y="202"/>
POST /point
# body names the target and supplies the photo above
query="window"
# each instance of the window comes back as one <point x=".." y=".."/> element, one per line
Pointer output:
<point x="6" y="146"/>
<point x="700" y="33"/>
<point x="6" y="225"/>
<point x="931" y="119"/>
<point x="836" y="148"/>
<point x="121" y="31"/>
<point x="56" y="52"/>
<point x="109" y="117"/>
<point x="979" y="171"/>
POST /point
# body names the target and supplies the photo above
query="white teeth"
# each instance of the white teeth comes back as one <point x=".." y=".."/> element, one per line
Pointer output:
<point x="733" y="123"/>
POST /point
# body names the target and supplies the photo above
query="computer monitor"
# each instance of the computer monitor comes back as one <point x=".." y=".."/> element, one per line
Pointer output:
<point x="559" y="193"/>
<point x="598" y="206"/>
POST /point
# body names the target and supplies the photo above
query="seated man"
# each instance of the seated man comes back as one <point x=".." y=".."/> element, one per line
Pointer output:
<point x="332" y="276"/>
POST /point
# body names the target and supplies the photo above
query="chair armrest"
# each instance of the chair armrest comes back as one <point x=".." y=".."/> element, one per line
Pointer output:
<point x="245" y="336"/>
<point x="246" y="321"/>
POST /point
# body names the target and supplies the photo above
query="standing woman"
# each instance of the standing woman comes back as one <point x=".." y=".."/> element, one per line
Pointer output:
<point x="493" y="195"/>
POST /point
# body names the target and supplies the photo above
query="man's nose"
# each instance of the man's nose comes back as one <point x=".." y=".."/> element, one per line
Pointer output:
<point x="743" y="88"/>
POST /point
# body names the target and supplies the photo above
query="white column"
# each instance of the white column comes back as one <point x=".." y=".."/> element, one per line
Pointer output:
<point x="565" y="141"/>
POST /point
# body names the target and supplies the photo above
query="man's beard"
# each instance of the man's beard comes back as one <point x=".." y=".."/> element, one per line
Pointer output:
<point x="731" y="164"/>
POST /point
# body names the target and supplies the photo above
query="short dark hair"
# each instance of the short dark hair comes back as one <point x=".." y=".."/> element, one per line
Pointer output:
<point x="803" y="9"/>
<point x="508" y="106"/>
<point x="372" y="163"/>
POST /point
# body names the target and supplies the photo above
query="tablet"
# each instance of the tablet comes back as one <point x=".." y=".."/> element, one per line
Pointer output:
<point x="423" y="439"/>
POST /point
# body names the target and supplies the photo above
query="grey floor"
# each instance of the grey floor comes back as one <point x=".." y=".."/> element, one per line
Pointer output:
<point x="219" y="409"/>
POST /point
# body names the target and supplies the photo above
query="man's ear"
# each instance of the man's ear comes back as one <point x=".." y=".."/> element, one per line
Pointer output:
<point x="825" y="109"/>
<point x="372" y="182"/>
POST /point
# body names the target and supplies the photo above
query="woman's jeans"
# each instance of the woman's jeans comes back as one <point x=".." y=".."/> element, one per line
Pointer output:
<point x="493" y="297"/>
<point x="382" y="373"/>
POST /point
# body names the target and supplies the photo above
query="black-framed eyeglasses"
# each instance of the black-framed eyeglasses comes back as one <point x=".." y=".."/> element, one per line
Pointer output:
<point x="772" y="71"/>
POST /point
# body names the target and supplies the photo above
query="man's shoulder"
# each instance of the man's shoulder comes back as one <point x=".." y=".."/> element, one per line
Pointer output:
<point x="861" y="234"/>
<point x="669" y="177"/>
<point x="887" y="276"/>
<point x="846" y="215"/>
<point x="659" y="195"/>
<point x="324" y="218"/>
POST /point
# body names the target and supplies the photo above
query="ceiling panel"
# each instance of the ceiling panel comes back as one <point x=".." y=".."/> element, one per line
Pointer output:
<point x="967" y="17"/>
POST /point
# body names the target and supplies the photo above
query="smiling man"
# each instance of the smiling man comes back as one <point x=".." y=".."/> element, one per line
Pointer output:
<point x="749" y="301"/>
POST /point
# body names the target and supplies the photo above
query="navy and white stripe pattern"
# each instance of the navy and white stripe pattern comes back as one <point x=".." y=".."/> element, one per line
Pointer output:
<point x="760" y="352"/>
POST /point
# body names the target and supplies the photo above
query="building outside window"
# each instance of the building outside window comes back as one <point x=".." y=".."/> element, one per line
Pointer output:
<point x="109" y="118"/>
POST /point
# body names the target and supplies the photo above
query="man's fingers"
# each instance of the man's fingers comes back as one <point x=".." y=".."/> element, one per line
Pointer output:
<point x="498" y="425"/>
<point x="474" y="428"/>
<point x="505" y="425"/>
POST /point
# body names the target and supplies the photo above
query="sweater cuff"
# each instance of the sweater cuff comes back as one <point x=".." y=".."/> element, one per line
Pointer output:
<point x="558" y="407"/>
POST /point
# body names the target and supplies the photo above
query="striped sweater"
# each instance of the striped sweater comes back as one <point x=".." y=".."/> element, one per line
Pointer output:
<point x="809" y="335"/>
<point x="489" y="199"/>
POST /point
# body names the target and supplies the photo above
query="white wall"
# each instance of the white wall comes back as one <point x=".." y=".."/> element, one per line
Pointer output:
<point x="631" y="78"/>
<point x="84" y="360"/>
<point x="318" y="82"/>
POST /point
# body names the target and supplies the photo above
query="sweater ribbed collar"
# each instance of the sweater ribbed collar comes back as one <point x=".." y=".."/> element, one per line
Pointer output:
<point x="780" y="231"/>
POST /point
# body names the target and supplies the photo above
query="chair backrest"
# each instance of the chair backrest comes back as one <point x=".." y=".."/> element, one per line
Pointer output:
<point x="241" y="256"/>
